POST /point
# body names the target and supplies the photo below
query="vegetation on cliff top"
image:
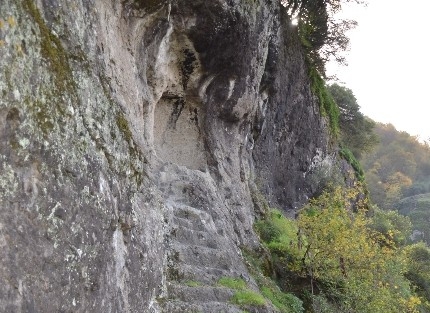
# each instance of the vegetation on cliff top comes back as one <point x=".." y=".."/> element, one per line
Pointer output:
<point x="323" y="35"/>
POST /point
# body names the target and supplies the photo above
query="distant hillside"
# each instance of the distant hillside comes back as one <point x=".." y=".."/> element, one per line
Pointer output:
<point x="398" y="175"/>
<point x="418" y="209"/>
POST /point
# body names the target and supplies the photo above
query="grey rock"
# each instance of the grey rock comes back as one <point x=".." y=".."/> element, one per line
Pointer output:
<point x="135" y="137"/>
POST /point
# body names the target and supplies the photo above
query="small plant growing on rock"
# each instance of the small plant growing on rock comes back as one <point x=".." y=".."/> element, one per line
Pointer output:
<point x="232" y="283"/>
<point x="248" y="297"/>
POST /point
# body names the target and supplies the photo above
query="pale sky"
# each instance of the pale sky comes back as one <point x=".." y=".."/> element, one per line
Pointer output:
<point x="389" y="63"/>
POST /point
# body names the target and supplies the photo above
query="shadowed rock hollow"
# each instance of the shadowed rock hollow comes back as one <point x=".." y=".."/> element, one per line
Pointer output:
<point x="135" y="138"/>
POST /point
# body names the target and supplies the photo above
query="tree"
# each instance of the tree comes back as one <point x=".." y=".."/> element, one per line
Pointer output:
<point x="419" y="272"/>
<point x="341" y="256"/>
<point x="356" y="130"/>
<point x="394" y="187"/>
<point x="323" y="36"/>
<point x="392" y="225"/>
<point x="363" y="269"/>
<point x="397" y="167"/>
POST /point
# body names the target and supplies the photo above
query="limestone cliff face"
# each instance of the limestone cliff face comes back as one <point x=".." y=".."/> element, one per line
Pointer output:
<point x="136" y="138"/>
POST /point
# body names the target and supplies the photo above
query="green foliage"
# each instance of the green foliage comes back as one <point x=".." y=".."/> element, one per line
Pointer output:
<point x="243" y="295"/>
<point x="323" y="36"/>
<point x="232" y="283"/>
<point x="350" y="158"/>
<point x="419" y="272"/>
<point x="327" y="105"/>
<point x="284" y="302"/>
<point x="397" y="176"/>
<point x="277" y="231"/>
<point x="417" y="202"/>
<point x="392" y="225"/>
<point x="320" y="304"/>
<point x="398" y="167"/>
<point x="353" y="263"/>
<point x="417" y="208"/>
<point x="356" y="131"/>
<point x="248" y="298"/>
<point x="258" y="267"/>
<point x="348" y="266"/>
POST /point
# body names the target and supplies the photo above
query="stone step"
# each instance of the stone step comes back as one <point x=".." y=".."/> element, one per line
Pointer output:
<point x="203" y="256"/>
<point x="186" y="235"/>
<point x="195" y="215"/>
<point x="199" y="293"/>
<point x="179" y="222"/>
<point x="177" y="306"/>
<point x="191" y="213"/>
<point x="207" y="275"/>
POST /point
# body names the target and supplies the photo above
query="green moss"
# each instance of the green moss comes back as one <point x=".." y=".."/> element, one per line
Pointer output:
<point x="327" y="105"/>
<point x="259" y="201"/>
<point x="233" y="283"/>
<point x="42" y="114"/>
<point x="48" y="108"/>
<point x="43" y="118"/>
<point x="134" y="152"/>
<point x="243" y="296"/>
<point x="53" y="51"/>
<point x="350" y="158"/>
<point x="193" y="283"/>
<point x="8" y="79"/>
<point x="58" y="59"/>
<point x="122" y="124"/>
<point x="161" y="300"/>
<point x="173" y="273"/>
<point x="248" y="298"/>
<point x="148" y="5"/>
<point x="14" y="144"/>
<point x="124" y="128"/>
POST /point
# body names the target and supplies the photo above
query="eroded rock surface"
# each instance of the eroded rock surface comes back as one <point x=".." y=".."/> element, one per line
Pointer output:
<point x="136" y="138"/>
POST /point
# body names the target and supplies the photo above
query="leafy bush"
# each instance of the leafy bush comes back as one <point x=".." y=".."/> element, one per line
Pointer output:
<point x="285" y="302"/>
<point x="392" y="225"/>
<point x="320" y="304"/>
<point x="334" y="255"/>
<point x="278" y="232"/>
<point x="267" y="230"/>
<point x="419" y="270"/>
